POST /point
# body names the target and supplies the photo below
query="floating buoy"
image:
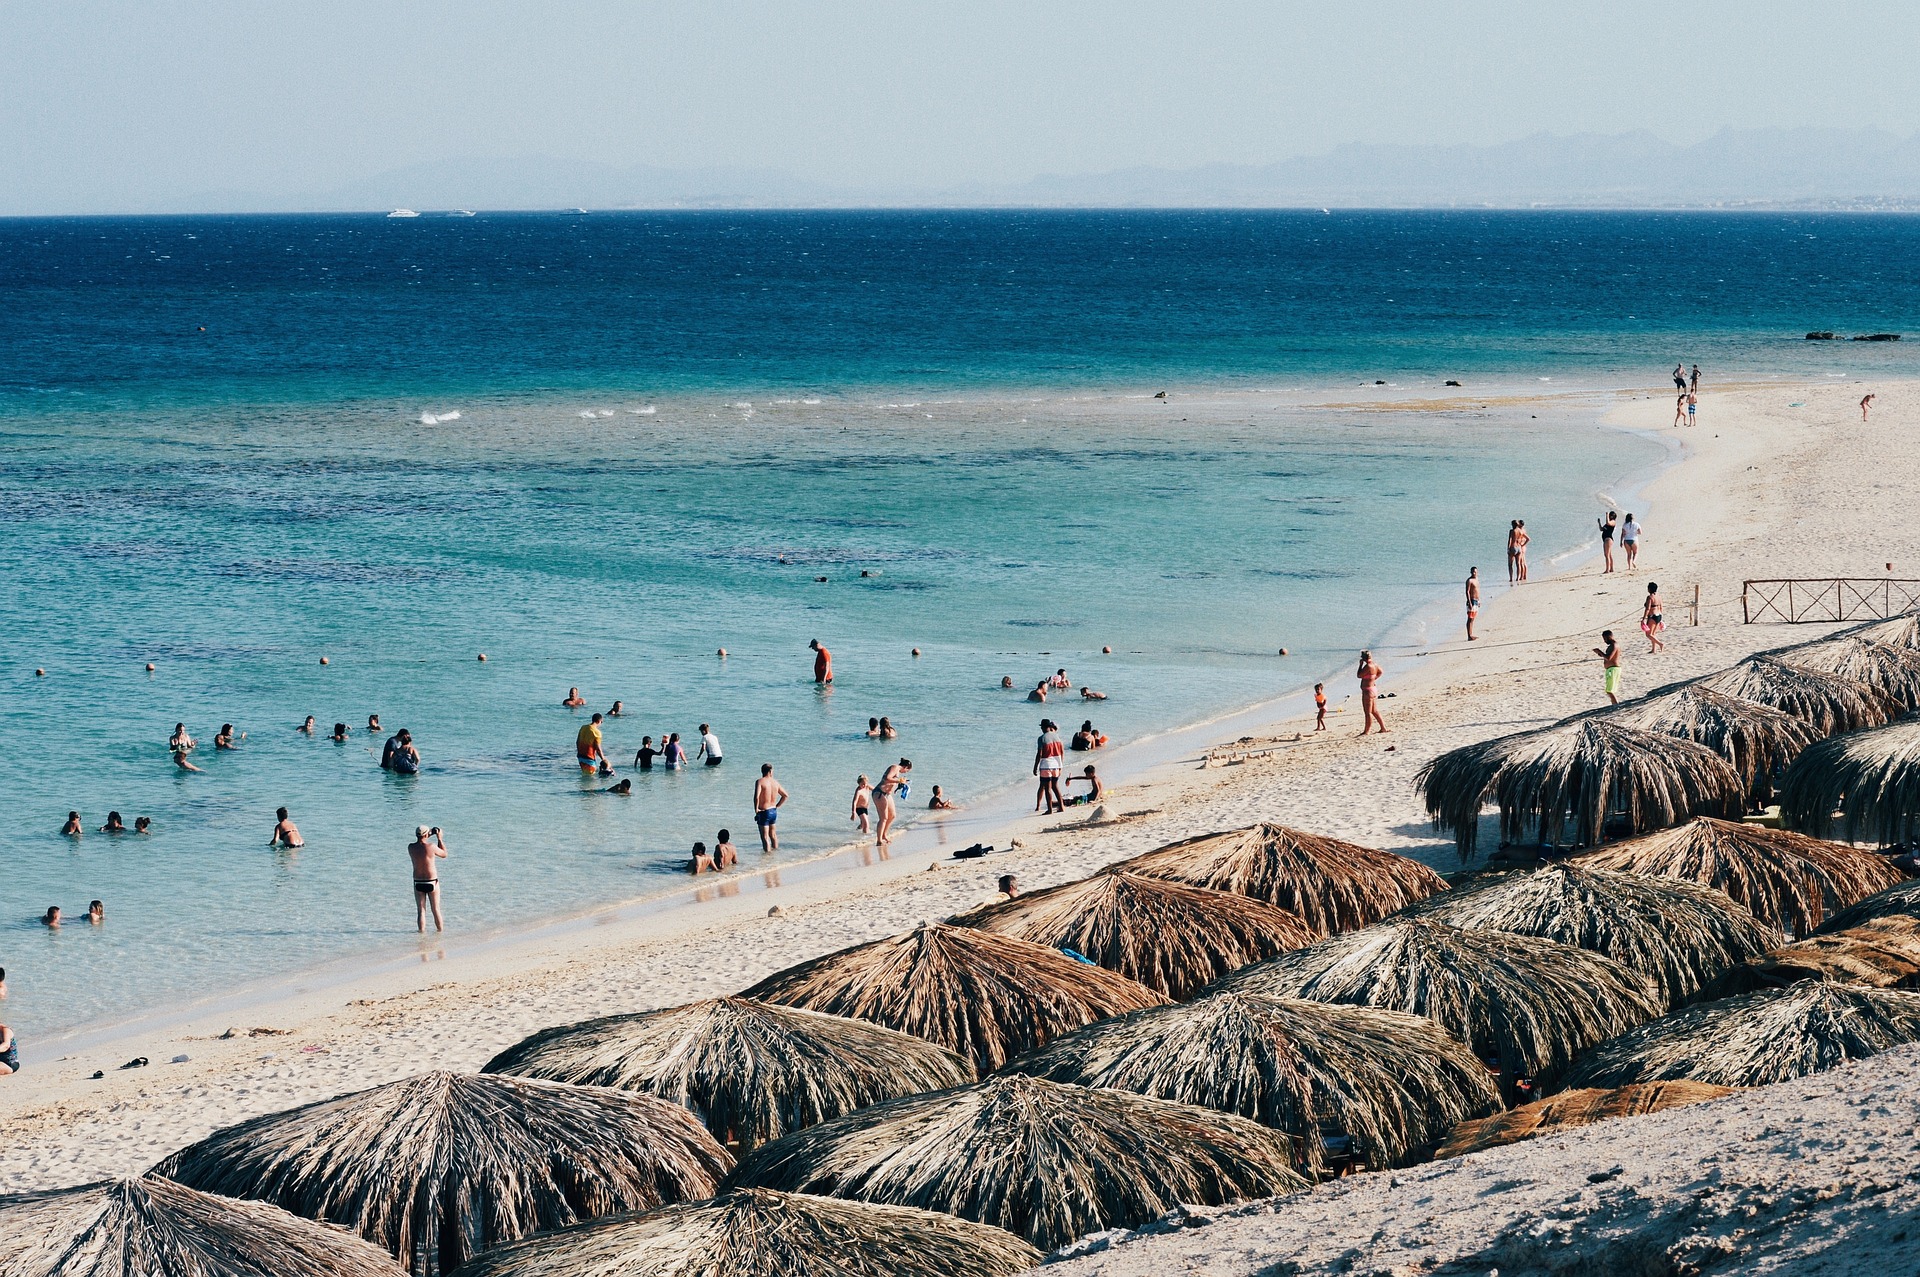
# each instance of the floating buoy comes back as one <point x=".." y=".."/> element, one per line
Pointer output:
<point x="721" y="652"/>
<point x="1106" y="651"/>
<point x="323" y="660"/>
<point x="916" y="651"/>
<point x="1283" y="651"/>
<point x="481" y="657"/>
<point x="149" y="667"/>
<point x="39" y="673"/>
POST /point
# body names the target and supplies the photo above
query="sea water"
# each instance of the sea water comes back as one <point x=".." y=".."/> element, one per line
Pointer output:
<point x="599" y="449"/>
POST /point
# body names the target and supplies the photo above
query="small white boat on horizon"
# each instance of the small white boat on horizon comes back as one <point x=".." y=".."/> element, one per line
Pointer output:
<point x="461" y="212"/>
<point x="403" y="212"/>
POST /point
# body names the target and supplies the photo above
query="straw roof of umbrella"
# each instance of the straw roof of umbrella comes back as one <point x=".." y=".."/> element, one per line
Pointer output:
<point x="1787" y="880"/>
<point x="983" y="996"/>
<point x="147" y="1227"/>
<point x="1334" y="886"/>
<point x="439" y="1167"/>
<point x="1881" y="954"/>
<point x="1900" y="901"/>
<point x="1757" y="1038"/>
<point x="1826" y="701"/>
<point x="1527" y="1003"/>
<point x="754" y="1232"/>
<point x="1895" y="631"/>
<point x="1582" y="770"/>
<point x="1892" y="671"/>
<point x="1872" y="779"/>
<point x="750" y="1070"/>
<point x="1757" y="739"/>
<point x="1571" y="1109"/>
<point x="1394" y="1083"/>
<point x="1046" y="1161"/>
<point x="1167" y="935"/>
<point x="1677" y="934"/>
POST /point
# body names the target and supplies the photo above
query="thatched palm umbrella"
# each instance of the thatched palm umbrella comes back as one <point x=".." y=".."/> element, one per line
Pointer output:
<point x="755" y="1232"/>
<point x="1757" y="739"/>
<point x="1333" y="886"/>
<point x="983" y="996"/>
<point x="1881" y="954"/>
<point x="153" y="1227"/>
<point x="1676" y="933"/>
<point x="1525" y="1004"/>
<point x="1786" y="879"/>
<point x="1892" y="671"/>
<point x="1167" y="935"/>
<point x="1827" y="702"/>
<point x="439" y="1167"/>
<point x="1583" y="770"/>
<point x="1899" y="901"/>
<point x="1898" y="631"/>
<point x="1571" y="1109"/>
<point x="750" y="1070"/>
<point x="1045" y="1161"/>
<point x="1871" y="778"/>
<point x="1391" y="1082"/>
<point x="1757" y="1038"/>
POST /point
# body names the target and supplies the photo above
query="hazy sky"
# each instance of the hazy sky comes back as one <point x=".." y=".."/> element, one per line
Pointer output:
<point x="161" y="99"/>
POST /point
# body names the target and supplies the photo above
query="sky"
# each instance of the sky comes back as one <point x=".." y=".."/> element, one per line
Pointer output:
<point x="141" y="104"/>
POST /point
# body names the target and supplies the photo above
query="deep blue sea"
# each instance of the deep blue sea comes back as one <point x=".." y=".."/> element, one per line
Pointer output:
<point x="600" y="447"/>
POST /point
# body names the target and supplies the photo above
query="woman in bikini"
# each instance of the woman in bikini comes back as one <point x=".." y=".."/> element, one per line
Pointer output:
<point x="886" y="800"/>
<point x="1653" y="619"/>
<point x="1369" y="674"/>
<point x="1520" y="539"/>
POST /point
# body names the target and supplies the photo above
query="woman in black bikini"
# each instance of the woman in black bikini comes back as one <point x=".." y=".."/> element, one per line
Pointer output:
<point x="1653" y="619"/>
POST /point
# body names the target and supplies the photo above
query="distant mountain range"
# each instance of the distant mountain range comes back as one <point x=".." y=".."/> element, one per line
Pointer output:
<point x="1753" y="168"/>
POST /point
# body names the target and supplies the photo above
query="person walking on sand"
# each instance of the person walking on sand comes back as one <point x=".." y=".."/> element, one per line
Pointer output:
<point x="1653" y="619"/>
<point x="1679" y="409"/>
<point x="822" y="663"/>
<point x="1319" y="707"/>
<point x="1369" y="674"/>
<point x="1049" y="758"/>
<point x="285" y="832"/>
<point x="1865" y="404"/>
<point x="886" y="800"/>
<point x="768" y="794"/>
<point x="1610" y="663"/>
<point x="589" y="748"/>
<point x="1473" y="601"/>
<point x="428" y="845"/>
<point x="1608" y="526"/>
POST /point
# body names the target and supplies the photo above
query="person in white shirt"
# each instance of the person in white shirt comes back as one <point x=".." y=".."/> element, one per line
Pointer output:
<point x="1630" y="540"/>
<point x="709" y="746"/>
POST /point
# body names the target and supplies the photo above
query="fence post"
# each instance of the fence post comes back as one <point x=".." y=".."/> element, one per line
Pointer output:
<point x="1696" y="604"/>
<point x="1746" y="616"/>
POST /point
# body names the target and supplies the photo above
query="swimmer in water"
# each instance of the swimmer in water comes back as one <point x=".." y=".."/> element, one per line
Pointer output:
<point x="224" y="740"/>
<point x="725" y="854"/>
<point x="1088" y="694"/>
<point x="285" y="832"/>
<point x="51" y="918"/>
<point x="373" y="723"/>
<point x="887" y="730"/>
<point x="143" y="824"/>
<point x="623" y="788"/>
<point x="574" y="700"/>
<point x="180" y="740"/>
<point x="1006" y="680"/>
<point x="873" y="729"/>
<point x="700" y="862"/>
<point x="180" y="760"/>
<point x="340" y="732"/>
<point x="307" y="728"/>
<point x="644" y="756"/>
<point x="940" y="802"/>
<point x="96" y="912"/>
<point x="72" y="829"/>
<point x="1039" y="694"/>
<point x="619" y="708"/>
<point x="114" y="824"/>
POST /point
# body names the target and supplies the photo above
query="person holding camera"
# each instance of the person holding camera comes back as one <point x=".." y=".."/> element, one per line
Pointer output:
<point x="428" y="845"/>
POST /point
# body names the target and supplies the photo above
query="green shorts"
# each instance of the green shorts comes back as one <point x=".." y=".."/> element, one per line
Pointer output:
<point x="1613" y="680"/>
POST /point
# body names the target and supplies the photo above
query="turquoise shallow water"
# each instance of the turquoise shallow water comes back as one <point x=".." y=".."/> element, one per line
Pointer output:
<point x="212" y="457"/>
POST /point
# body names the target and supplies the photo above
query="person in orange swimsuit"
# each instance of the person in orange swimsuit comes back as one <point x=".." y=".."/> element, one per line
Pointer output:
<point x="822" y="662"/>
<point x="1319" y="707"/>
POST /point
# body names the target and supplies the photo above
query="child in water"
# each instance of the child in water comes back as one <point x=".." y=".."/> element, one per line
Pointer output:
<point x="863" y="804"/>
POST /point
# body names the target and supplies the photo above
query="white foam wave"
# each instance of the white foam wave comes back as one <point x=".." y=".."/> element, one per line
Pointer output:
<point x="647" y="411"/>
<point x="435" y="418"/>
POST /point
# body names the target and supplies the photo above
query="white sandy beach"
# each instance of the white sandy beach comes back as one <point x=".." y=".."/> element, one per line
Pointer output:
<point x="1765" y="490"/>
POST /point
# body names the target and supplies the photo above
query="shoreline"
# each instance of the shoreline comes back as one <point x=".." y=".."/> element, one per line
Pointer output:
<point x="994" y="819"/>
<point x="1757" y="466"/>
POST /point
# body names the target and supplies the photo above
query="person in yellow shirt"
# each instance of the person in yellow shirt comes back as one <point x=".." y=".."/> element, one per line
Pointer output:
<point x="587" y="746"/>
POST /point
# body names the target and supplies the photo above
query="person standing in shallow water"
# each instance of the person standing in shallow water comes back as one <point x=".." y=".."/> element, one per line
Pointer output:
<point x="428" y="845"/>
<point x="1369" y="674"/>
<point x="822" y="663"/>
<point x="768" y="797"/>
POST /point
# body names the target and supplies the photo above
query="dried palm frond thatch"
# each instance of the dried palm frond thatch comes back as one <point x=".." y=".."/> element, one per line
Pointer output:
<point x="1333" y="886"/>
<point x="1588" y="771"/>
<point x="1046" y="1161"/>
<point x="439" y="1167"/>
<point x="750" y="1070"/>
<point x="755" y="1232"/>
<point x="1678" y="934"/>
<point x="1167" y="935"/>
<point x="156" y="1228"/>
<point x="1787" y="880"/>
<point x="1827" y="702"/>
<point x="1393" y="1083"/>
<point x="1892" y="671"/>
<point x="1757" y="739"/>
<point x="1872" y="779"/>
<point x="1881" y="954"/>
<point x="1896" y="631"/>
<point x="1900" y="901"/>
<point x="1757" y="1039"/>
<point x="983" y="996"/>
<point x="1571" y="1109"/>
<point x="1523" y="1004"/>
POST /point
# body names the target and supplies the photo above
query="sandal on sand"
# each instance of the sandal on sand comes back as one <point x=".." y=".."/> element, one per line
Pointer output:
<point x="137" y="1062"/>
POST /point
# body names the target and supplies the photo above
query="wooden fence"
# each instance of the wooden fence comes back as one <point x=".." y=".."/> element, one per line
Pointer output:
<point x="1833" y="598"/>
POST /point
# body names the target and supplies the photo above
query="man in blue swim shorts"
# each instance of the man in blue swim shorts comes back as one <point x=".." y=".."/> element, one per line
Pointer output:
<point x="768" y="794"/>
